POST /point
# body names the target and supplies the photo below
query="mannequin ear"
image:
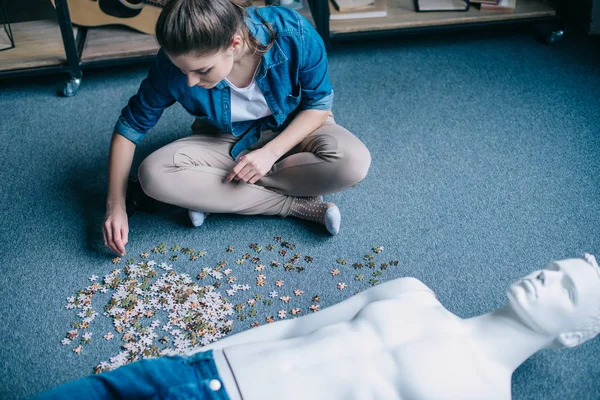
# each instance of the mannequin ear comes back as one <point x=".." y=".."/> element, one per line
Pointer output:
<point x="570" y="339"/>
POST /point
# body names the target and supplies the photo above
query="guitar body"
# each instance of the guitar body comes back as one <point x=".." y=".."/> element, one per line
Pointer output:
<point x="132" y="13"/>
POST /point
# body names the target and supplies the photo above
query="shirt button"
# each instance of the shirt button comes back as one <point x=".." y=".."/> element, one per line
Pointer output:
<point x="214" y="385"/>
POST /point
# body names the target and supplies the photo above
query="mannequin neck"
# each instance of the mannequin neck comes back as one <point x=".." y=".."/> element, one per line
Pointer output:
<point x="505" y="338"/>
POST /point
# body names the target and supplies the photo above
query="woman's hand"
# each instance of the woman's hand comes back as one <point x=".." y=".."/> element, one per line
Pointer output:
<point x="115" y="229"/>
<point x="252" y="166"/>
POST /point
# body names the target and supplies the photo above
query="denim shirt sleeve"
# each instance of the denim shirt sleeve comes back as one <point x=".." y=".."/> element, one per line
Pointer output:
<point x="317" y="93"/>
<point x="145" y="108"/>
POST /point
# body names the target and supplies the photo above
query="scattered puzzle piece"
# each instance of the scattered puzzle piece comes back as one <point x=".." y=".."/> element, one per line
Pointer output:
<point x="137" y="297"/>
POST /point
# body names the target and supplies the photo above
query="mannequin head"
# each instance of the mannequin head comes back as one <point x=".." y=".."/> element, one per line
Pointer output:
<point x="560" y="302"/>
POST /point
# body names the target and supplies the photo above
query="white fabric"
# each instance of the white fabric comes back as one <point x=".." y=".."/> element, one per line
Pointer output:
<point x="247" y="104"/>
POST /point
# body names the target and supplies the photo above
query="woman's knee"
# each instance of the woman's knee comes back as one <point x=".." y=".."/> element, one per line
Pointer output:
<point x="355" y="164"/>
<point x="150" y="176"/>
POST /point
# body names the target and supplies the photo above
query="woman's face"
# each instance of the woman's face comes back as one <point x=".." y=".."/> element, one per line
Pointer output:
<point x="208" y="70"/>
<point x="205" y="71"/>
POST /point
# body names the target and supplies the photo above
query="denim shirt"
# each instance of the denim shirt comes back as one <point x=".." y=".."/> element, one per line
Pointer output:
<point x="292" y="75"/>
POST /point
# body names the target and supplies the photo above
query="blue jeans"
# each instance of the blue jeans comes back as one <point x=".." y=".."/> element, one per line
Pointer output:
<point x="174" y="377"/>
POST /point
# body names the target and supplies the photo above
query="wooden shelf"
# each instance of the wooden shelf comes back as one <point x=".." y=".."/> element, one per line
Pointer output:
<point x="114" y="42"/>
<point x="402" y="15"/>
<point x="37" y="44"/>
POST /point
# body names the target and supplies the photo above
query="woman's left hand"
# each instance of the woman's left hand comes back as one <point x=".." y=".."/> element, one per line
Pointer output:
<point x="252" y="166"/>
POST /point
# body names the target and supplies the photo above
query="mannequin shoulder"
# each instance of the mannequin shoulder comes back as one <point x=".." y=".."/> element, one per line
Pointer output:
<point x="398" y="288"/>
<point x="408" y="284"/>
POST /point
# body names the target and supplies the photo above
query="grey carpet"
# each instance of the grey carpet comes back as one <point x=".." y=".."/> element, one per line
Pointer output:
<point x="485" y="167"/>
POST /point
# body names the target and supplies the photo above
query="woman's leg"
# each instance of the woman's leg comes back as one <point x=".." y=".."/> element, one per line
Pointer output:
<point x="190" y="173"/>
<point x="329" y="160"/>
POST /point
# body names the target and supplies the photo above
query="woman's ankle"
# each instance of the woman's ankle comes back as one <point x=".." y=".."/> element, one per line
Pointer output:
<point x="316" y="210"/>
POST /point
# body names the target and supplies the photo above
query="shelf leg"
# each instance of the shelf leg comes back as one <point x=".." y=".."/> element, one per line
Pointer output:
<point x="320" y="13"/>
<point x="557" y="31"/>
<point x="550" y="33"/>
<point x="71" y="87"/>
<point x="555" y="36"/>
<point x="71" y="51"/>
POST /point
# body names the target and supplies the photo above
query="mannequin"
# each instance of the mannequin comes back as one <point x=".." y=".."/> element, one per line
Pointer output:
<point x="396" y="341"/>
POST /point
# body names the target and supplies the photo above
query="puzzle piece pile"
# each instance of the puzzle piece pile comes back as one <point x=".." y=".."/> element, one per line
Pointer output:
<point x="148" y="297"/>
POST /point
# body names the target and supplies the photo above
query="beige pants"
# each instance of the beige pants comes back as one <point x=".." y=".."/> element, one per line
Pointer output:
<point x="190" y="172"/>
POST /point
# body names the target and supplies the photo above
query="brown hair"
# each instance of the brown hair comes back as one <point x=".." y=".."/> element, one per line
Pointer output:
<point x="205" y="27"/>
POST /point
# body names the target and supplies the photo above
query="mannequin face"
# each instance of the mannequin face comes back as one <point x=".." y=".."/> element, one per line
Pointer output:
<point x="208" y="71"/>
<point x="557" y="299"/>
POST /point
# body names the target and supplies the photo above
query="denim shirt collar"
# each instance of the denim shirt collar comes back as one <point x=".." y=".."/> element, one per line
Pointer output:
<point x="273" y="57"/>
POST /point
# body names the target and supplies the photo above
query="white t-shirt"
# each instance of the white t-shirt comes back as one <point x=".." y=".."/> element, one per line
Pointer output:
<point x="248" y="104"/>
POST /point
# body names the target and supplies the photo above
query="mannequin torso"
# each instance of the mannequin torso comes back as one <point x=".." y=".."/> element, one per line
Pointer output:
<point x="404" y="347"/>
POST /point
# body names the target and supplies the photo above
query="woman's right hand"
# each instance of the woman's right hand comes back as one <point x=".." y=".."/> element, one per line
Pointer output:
<point x="116" y="229"/>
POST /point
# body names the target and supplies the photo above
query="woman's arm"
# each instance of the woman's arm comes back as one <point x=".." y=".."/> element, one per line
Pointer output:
<point x="254" y="165"/>
<point x="305" y="123"/>
<point x="115" y="228"/>
<point x="141" y="113"/>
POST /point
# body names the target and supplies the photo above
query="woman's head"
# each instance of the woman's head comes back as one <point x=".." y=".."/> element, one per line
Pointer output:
<point x="201" y="37"/>
<point x="200" y="27"/>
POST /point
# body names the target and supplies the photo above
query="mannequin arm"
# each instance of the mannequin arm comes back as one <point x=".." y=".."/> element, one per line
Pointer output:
<point x="343" y="311"/>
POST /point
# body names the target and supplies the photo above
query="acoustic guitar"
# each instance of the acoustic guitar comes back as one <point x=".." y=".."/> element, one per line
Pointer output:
<point x="140" y="15"/>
